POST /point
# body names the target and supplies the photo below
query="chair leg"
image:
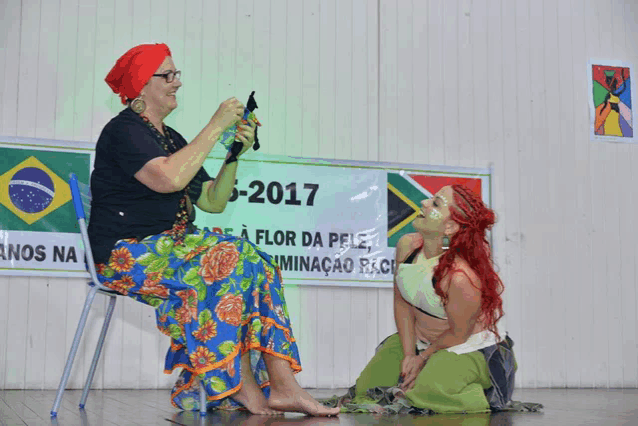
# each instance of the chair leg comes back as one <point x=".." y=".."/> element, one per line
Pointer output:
<point x="202" y="398"/>
<point x="74" y="349"/>
<point x="98" y="351"/>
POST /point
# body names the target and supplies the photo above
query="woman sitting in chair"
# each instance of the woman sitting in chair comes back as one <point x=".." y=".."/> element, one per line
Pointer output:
<point x="217" y="296"/>
<point x="446" y="306"/>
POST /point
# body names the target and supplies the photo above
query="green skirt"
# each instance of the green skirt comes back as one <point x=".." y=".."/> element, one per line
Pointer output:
<point x="448" y="383"/>
<point x="478" y="382"/>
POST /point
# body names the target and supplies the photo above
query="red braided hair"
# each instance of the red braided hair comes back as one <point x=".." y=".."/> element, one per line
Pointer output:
<point x="471" y="245"/>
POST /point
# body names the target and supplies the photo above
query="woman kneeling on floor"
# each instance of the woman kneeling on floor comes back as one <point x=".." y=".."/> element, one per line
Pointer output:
<point x="448" y="355"/>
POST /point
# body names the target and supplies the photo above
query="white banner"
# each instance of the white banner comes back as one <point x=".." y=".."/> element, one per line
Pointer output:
<point x="21" y="250"/>
<point x="329" y="222"/>
<point x="326" y="222"/>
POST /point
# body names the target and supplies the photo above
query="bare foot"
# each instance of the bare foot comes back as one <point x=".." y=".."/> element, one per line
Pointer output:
<point x="299" y="401"/>
<point x="250" y="394"/>
<point x="254" y="400"/>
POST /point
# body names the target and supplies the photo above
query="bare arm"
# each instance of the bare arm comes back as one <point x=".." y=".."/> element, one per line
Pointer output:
<point x="403" y="313"/>
<point x="215" y="194"/>
<point x="173" y="173"/>
<point x="463" y="309"/>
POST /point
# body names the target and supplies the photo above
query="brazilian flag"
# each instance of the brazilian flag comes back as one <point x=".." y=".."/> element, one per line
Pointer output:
<point x="34" y="190"/>
<point x="404" y="204"/>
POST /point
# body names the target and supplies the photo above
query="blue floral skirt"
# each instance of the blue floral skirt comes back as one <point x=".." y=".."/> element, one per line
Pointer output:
<point x="217" y="296"/>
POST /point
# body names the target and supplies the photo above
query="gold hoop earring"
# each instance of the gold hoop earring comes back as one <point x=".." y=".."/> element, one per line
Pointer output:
<point x="138" y="105"/>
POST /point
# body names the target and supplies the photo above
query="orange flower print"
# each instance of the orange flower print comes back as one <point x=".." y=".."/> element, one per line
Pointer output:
<point x="152" y="286"/>
<point x="154" y="290"/>
<point x="189" y="300"/>
<point x="229" y="309"/>
<point x="271" y="344"/>
<point x="202" y="357"/>
<point x="266" y="328"/>
<point x="206" y="331"/>
<point x="100" y="268"/>
<point x="183" y="315"/>
<point x="122" y="286"/>
<point x="268" y="300"/>
<point x="256" y="298"/>
<point x="250" y="338"/>
<point x="269" y="276"/>
<point x="230" y="368"/>
<point x="219" y="262"/>
<point x="121" y="260"/>
<point x="279" y="311"/>
<point x="190" y="255"/>
<point x="254" y="338"/>
<point x="153" y="278"/>
<point x="281" y="281"/>
<point x="189" y="297"/>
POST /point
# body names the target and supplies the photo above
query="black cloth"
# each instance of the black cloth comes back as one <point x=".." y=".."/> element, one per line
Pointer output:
<point x="502" y="366"/>
<point x="121" y="206"/>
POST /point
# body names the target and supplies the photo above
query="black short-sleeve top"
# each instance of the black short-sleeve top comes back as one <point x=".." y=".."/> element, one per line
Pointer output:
<point x="121" y="206"/>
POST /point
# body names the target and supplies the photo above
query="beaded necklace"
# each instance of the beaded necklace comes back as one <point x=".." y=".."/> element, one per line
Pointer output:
<point x="180" y="227"/>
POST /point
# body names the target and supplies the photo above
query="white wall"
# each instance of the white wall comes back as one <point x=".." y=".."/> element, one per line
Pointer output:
<point x="458" y="83"/>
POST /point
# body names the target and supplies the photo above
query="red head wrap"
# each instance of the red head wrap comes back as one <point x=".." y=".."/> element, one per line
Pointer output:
<point x="133" y="70"/>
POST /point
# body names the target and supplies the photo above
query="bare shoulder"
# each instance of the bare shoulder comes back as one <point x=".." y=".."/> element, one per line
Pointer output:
<point x="406" y="244"/>
<point x="465" y="275"/>
<point x="462" y="275"/>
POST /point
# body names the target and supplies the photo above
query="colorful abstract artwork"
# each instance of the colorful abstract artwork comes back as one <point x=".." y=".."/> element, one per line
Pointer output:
<point x="611" y="102"/>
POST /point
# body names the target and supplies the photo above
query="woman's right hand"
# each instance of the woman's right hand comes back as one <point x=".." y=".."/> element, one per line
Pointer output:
<point x="409" y="364"/>
<point x="229" y="113"/>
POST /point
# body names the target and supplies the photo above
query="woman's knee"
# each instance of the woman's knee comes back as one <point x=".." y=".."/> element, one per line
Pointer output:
<point x="384" y="367"/>
<point x="446" y="371"/>
<point x="391" y="345"/>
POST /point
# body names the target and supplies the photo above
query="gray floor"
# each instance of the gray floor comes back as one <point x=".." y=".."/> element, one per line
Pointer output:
<point x="152" y="407"/>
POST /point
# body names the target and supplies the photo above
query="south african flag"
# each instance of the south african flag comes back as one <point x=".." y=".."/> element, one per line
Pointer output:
<point x="405" y="193"/>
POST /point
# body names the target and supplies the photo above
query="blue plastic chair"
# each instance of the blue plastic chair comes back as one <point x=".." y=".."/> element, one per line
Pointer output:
<point x="95" y="287"/>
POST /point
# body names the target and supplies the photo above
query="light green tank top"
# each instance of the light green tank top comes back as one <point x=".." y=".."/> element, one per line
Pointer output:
<point x="414" y="281"/>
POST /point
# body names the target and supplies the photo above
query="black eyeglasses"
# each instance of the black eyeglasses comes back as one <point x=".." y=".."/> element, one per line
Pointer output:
<point x="169" y="76"/>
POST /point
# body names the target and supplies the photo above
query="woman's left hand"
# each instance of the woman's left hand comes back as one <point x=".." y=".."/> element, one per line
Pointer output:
<point x="410" y="378"/>
<point x="246" y="134"/>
